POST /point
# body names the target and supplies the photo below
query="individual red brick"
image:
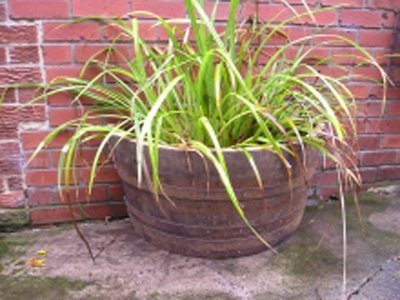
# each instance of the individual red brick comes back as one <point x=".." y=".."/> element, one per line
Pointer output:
<point x="150" y="33"/>
<point x="381" y="125"/>
<point x="345" y="56"/>
<point x="16" y="34"/>
<point x="382" y="56"/>
<point x="87" y="155"/>
<point x="325" y="178"/>
<point x="388" y="19"/>
<point x="391" y="141"/>
<point x="47" y="196"/>
<point x="81" y="195"/>
<point x="84" y="157"/>
<point x="11" y="75"/>
<point x="85" y="52"/>
<point x="70" y="71"/>
<point x="313" y="55"/>
<point x="380" y="158"/>
<point x="391" y="93"/>
<point x="333" y="71"/>
<point x="369" y="109"/>
<point x="41" y="160"/>
<point x="9" y="129"/>
<point x="60" y="99"/>
<point x="9" y="148"/>
<point x="99" y="8"/>
<point x="32" y="113"/>
<point x="41" y="196"/>
<point x="29" y="113"/>
<point x="3" y="16"/>
<point x="115" y="193"/>
<point x="106" y="174"/>
<point x="9" y="96"/>
<point x="246" y="10"/>
<point x="12" y="200"/>
<point x="359" y="91"/>
<point x="368" y="175"/>
<point x="339" y="36"/>
<point x="388" y="173"/>
<point x="352" y="17"/>
<point x="39" y="9"/>
<point x="59" y="31"/>
<point x="370" y="72"/>
<point x="374" y="38"/>
<point x="324" y="18"/>
<point x="105" y="210"/>
<point x="10" y="166"/>
<point x="48" y="177"/>
<point x="15" y="183"/>
<point x="27" y="95"/>
<point x="31" y="139"/>
<point x="163" y="8"/>
<point x="393" y="108"/>
<point x="41" y="177"/>
<point x="63" y="115"/>
<point x="24" y="54"/>
<point x="387" y="4"/>
<point x="8" y="117"/>
<point x="274" y="12"/>
<point x="3" y="58"/>
<point x="347" y="3"/>
<point x="53" y="215"/>
<point x="112" y="32"/>
<point x="395" y="75"/>
<point x="297" y="32"/>
<point x="56" y="54"/>
<point x="53" y="72"/>
<point x="369" y="142"/>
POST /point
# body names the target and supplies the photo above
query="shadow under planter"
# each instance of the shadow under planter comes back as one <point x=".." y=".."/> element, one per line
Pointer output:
<point x="197" y="217"/>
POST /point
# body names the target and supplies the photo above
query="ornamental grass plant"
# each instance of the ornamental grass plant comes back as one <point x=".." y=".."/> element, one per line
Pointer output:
<point x="210" y="90"/>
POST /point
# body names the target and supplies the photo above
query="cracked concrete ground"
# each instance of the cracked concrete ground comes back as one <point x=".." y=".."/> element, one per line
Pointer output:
<point x="308" y="265"/>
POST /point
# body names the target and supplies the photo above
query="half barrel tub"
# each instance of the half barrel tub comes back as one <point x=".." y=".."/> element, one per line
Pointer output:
<point x="197" y="217"/>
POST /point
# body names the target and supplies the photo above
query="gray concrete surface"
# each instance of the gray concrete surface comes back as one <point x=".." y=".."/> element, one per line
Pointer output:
<point x="307" y="266"/>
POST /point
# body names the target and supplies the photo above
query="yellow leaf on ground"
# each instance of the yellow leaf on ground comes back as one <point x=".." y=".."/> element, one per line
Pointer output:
<point x="36" y="262"/>
<point x="42" y="252"/>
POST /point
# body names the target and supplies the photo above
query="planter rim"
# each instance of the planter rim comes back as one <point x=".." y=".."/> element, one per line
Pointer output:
<point x="224" y="150"/>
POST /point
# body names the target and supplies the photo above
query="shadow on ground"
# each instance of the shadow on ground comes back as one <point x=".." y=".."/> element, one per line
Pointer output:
<point x="308" y="266"/>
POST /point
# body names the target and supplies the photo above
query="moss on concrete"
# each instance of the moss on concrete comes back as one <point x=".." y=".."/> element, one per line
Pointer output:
<point x="380" y="242"/>
<point x="12" y="247"/>
<point x="304" y="257"/>
<point x="32" y="287"/>
<point x="308" y="258"/>
<point x="13" y="219"/>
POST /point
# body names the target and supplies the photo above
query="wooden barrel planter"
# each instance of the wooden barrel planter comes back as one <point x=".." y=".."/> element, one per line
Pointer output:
<point x="201" y="220"/>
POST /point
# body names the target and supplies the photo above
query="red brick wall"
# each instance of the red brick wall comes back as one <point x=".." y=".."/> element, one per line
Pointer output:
<point x="33" y="49"/>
